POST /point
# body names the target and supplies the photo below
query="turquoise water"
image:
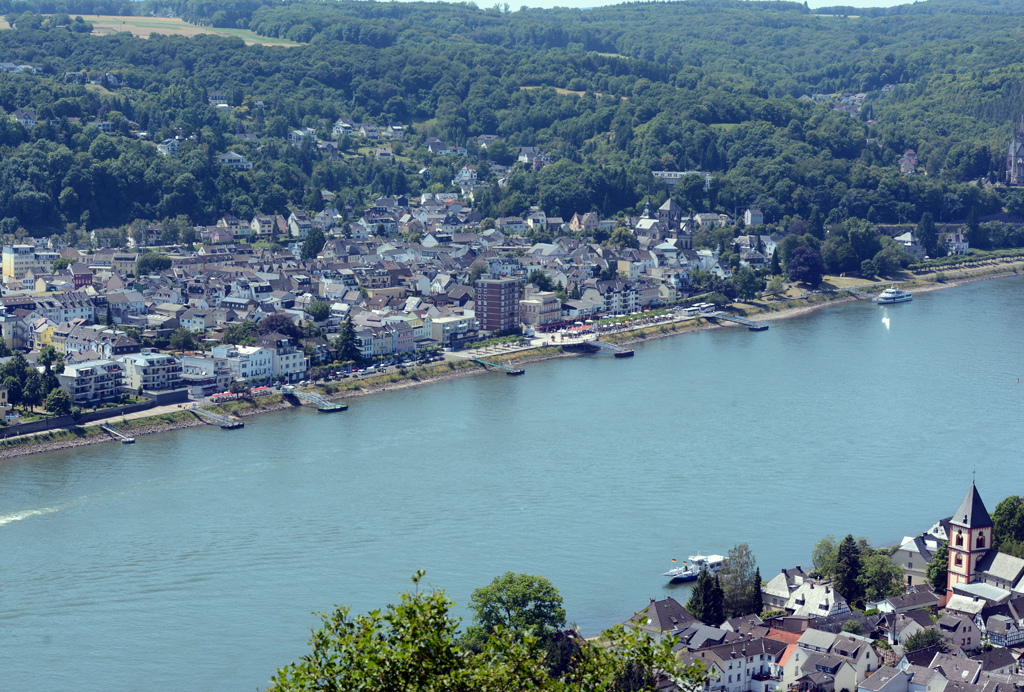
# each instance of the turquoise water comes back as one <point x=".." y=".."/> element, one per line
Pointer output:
<point x="193" y="560"/>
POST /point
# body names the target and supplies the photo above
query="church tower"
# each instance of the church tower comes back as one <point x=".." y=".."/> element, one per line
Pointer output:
<point x="970" y="538"/>
<point x="1015" y="158"/>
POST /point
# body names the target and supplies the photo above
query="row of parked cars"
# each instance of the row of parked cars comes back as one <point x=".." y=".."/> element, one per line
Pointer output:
<point x="384" y="365"/>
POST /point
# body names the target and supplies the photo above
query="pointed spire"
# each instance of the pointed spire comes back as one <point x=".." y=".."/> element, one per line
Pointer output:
<point x="647" y="208"/>
<point x="972" y="513"/>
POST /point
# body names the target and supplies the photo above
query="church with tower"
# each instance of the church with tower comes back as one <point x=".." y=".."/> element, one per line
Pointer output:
<point x="972" y="557"/>
<point x="1015" y="158"/>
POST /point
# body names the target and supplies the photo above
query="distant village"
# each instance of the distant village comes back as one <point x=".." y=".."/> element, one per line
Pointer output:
<point x="454" y="282"/>
<point x="412" y="274"/>
<point x="815" y="642"/>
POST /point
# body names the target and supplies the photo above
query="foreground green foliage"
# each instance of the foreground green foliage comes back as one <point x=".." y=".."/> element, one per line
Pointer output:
<point x="414" y="645"/>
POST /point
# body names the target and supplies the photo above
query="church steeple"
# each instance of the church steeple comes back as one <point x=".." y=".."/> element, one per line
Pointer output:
<point x="647" y="209"/>
<point x="970" y="538"/>
<point x="972" y="513"/>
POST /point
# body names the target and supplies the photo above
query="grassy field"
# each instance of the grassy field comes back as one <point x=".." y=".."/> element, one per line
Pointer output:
<point x="144" y="26"/>
<point x="564" y="92"/>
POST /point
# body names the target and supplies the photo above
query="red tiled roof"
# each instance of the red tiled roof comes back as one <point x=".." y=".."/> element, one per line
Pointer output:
<point x="783" y="636"/>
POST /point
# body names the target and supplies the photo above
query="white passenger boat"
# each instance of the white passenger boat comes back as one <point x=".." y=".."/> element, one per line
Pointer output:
<point x="691" y="568"/>
<point x="893" y="295"/>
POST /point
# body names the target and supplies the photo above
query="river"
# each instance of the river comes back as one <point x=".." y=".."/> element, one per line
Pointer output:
<point x="193" y="560"/>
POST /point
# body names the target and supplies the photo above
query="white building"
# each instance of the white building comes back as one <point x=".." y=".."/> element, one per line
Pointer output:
<point x="152" y="371"/>
<point x="288" y="360"/>
<point x="205" y="375"/>
<point x="92" y="382"/>
<point x="753" y="217"/>
<point x="235" y="161"/>
<point x="246" y="362"/>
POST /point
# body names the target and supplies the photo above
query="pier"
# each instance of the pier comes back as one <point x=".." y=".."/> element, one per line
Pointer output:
<point x="617" y="351"/>
<point x="117" y="435"/>
<point x="321" y="403"/>
<point x="509" y="370"/>
<point x="859" y="294"/>
<point x="225" y="422"/>
<point x="749" y="324"/>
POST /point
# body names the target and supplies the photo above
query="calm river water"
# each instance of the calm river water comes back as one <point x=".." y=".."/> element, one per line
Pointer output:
<point x="193" y="560"/>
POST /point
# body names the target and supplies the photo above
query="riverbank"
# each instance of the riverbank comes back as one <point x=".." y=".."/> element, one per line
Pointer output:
<point x="64" y="439"/>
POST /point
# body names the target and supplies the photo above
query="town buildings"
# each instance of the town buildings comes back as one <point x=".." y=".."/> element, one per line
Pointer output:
<point x="497" y="304"/>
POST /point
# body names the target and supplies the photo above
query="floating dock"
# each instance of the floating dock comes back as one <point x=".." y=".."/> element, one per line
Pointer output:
<point x="322" y="404"/>
<point x="117" y="435"/>
<point x="617" y="351"/>
<point x="509" y="370"/>
<point x="749" y="324"/>
<point x="225" y="422"/>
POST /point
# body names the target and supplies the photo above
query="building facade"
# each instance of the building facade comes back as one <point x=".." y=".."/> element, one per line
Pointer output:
<point x="246" y="362"/>
<point x="287" y="356"/>
<point x="92" y="382"/>
<point x="497" y="305"/>
<point x="540" y="308"/>
<point x="18" y="259"/>
<point x="152" y="371"/>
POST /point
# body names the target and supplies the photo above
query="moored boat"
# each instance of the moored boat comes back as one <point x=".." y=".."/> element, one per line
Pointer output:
<point x="692" y="568"/>
<point x="893" y="294"/>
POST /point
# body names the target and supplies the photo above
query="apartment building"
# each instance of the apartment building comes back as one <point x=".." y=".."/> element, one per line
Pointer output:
<point x="497" y="304"/>
<point x="92" y="382"/>
<point x="152" y="371"/>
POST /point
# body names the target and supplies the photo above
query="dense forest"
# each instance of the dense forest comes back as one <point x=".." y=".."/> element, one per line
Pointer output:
<point x="710" y="85"/>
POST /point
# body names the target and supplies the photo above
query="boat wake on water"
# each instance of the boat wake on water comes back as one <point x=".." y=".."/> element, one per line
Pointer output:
<point x="18" y="516"/>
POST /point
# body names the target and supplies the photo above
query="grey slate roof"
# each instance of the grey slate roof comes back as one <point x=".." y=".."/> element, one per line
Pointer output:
<point x="1002" y="566"/>
<point x="665" y="615"/>
<point x="919" y="599"/>
<point x="995" y="659"/>
<point x="972" y="512"/>
<point x="879" y="678"/>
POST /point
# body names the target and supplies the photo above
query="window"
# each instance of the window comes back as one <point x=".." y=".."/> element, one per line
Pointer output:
<point x="980" y="543"/>
<point x="959" y="561"/>
<point x="959" y="538"/>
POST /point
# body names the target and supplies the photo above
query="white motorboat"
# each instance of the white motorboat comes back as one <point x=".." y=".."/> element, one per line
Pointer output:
<point x="893" y="295"/>
<point x="691" y="569"/>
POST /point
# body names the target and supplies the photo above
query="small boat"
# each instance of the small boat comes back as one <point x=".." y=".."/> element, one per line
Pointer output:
<point x="692" y="568"/>
<point x="515" y="371"/>
<point x="893" y="295"/>
<point x="624" y="354"/>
